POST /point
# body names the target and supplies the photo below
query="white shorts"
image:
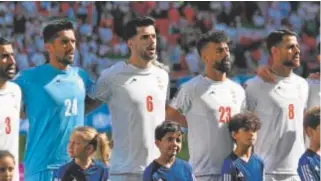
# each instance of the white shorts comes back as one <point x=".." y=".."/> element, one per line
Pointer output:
<point x="280" y="177"/>
<point x="208" y="178"/>
<point x="126" y="177"/>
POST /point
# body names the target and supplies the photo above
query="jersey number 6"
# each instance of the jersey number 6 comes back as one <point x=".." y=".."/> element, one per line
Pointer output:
<point x="149" y="103"/>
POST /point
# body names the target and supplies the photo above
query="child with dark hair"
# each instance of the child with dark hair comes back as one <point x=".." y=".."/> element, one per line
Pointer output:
<point x="309" y="163"/>
<point x="167" y="167"/>
<point x="243" y="163"/>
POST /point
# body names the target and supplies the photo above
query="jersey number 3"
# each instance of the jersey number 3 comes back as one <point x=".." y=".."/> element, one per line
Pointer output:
<point x="7" y="122"/>
<point x="71" y="107"/>
<point x="149" y="103"/>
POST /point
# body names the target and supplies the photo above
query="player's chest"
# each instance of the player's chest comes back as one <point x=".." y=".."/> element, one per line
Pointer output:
<point x="218" y="98"/>
<point x="284" y="95"/>
<point x="10" y="103"/>
<point x="63" y="87"/>
<point x="9" y="114"/>
<point x="141" y="89"/>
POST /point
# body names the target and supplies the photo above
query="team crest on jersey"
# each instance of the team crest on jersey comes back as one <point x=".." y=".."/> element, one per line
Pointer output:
<point x="234" y="99"/>
<point x="160" y="83"/>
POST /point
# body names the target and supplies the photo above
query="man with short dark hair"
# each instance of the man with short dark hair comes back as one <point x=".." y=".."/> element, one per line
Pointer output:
<point x="280" y="107"/>
<point x="54" y="98"/>
<point x="10" y="103"/>
<point x="135" y="92"/>
<point x="208" y="101"/>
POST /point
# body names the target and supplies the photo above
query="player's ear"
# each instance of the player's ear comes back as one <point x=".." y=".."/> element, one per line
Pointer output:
<point x="48" y="46"/>
<point x="129" y="43"/>
<point x="274" y="50"/>
<point x="234" y="135"/>
<point x="157" y="143"/>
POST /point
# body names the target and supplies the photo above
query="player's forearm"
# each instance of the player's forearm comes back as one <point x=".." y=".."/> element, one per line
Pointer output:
<point x="174" y="115"/>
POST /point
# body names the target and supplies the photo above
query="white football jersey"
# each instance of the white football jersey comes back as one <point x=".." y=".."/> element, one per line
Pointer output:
<point x="10" y="103"/>
<point x="208" y="106"/>
<point x="314" y="93"/>
<point x="280" y="107"/>
<point x="136" y="99"/>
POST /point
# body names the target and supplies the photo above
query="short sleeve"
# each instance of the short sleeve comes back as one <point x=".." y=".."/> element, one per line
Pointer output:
<point x="102" y="90"/>
<point x="88" y="81"/>
<point x="182" y="101"/>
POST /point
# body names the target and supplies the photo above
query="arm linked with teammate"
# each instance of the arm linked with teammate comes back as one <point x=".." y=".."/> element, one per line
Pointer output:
<point x="174" y="115"/>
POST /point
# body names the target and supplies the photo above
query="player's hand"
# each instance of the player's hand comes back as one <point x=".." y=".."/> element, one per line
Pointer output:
<point x="265" y="73"/>
<point x="314" y="76"/>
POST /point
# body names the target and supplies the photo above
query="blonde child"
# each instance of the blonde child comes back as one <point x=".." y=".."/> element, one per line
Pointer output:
<point x="90" y="152"/>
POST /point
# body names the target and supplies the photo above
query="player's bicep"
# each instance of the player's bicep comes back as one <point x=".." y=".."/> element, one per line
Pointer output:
<point x="250" y="100"/>
<point x="102" y="90"/>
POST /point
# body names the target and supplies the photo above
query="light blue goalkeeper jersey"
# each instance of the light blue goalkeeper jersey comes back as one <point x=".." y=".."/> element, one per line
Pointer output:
<point x="54" y="100"/>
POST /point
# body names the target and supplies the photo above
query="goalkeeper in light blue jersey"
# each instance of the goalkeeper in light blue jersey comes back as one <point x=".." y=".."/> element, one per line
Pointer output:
<point x="54" y="100"/>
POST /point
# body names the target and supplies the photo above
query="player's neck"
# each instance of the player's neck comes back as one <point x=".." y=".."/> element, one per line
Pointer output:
<point x="281" y="70"/>
<point x="315" y="148"/>
<point x="138" y="62"/>
<point x="3" y="84"/>
<point x="84" y="163"/>
<point x="57" y="64"/>
<point x="215" y="75"/>
<point x="166" y="161"/>
<point x="244" y="152"/>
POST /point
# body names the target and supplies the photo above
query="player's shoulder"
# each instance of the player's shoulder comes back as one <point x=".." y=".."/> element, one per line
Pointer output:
<point x="300" y="80"/>
<point x="234" y="85"/>
<point x="31" y="72"/>
<point x="313" y="81"/>
<point x="192" y="84"/>
<point x="228" y="162"/>
<point x="305" y="158"/>
<point x="14" y="87"/>
<point x="114" y="70"/>
<point x="254" y="81"/>
<point x="183" y="163"/>
<point x="160" y="66"/>
<point x="258" y="158"/>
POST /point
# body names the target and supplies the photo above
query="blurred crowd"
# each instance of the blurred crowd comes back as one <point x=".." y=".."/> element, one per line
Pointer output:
<point x="179" y="24"/>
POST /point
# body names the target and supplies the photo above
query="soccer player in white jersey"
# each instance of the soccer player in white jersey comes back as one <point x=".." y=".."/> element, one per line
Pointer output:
<point x="10" y="100"/>
<point x="280" y="106"/>
<point x="135" y="92"/>
<point x="208" y="101"/>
